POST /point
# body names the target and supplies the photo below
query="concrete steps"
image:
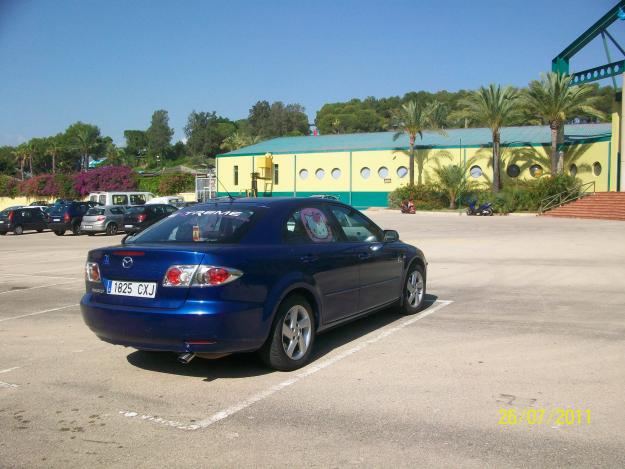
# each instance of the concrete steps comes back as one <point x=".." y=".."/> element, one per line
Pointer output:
<point x="601" y="206"/>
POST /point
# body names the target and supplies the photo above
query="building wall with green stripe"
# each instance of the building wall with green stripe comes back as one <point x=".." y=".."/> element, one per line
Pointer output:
<point x="344" y="174"/>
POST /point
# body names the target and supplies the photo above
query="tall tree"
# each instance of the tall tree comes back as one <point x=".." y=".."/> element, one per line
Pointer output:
<point x="413" y="119"/>
<point x="552" y="100"/>
<point x="136" y="142"/>
<point x="206" y="131"/>
<point x="21" y="153"/>
<point x="84" y="138"/>
<point x="276" y="120"/>
<point x="54" y="147"/>
<point x="159" y="133"/>
<point x="494" y="107"/>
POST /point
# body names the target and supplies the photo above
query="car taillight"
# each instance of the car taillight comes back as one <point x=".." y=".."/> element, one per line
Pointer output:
<point x="141" y="218"/>
<point x="100" y="218"/>
<point x="92" y="272"/>
<point x="66" y="218"/>
<point x="11" y="216"/>
<point x="199" y="276"/>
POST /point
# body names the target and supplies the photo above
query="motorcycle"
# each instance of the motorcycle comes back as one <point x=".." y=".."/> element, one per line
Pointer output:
<point x="484" y="210"/>
<point x="407" y="206"/>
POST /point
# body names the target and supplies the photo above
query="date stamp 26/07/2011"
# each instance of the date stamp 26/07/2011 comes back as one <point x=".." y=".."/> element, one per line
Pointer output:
<point x="557" y="416"/>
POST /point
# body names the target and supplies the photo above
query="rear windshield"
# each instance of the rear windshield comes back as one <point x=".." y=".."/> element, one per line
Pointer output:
<point x="201" y="226"/>
<point x="58" y="209"/>
<point x="95" y="211"/>
<point x="135" y="210"/>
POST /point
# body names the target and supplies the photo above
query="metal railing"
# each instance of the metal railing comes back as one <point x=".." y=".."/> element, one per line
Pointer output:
<point x="564" y="197"/>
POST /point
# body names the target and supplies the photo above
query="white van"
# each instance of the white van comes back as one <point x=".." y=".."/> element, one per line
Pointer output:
<point x="174" y="200"/>
<point x="121" y="197"/>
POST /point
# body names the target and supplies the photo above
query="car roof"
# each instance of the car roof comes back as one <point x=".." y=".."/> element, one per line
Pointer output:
<point x="266" y="201"/>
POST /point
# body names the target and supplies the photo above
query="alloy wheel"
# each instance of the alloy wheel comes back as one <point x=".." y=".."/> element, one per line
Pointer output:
<point x="296" y="332"/>
<point x="414" y="288"/>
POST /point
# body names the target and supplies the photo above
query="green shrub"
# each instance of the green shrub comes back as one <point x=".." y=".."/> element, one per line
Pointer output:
<point x="9" y="186"/>
<point x="149" y="184"/>
<point x="425" y="197"/>
<point x="171" y="184"/>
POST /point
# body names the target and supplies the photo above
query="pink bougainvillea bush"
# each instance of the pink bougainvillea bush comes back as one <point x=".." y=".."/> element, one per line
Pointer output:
<point x="106" y="178"/>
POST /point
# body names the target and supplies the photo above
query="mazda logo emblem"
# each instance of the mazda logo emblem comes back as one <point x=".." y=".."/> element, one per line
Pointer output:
<point x="127" y="262"/>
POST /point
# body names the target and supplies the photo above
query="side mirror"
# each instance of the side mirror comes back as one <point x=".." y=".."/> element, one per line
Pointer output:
<point x="390" y="236"/>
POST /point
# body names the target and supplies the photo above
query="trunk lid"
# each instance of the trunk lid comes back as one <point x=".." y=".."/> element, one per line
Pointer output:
<point x="146" y="264"/>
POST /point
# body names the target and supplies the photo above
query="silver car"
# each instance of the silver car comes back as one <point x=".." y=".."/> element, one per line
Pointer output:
<point x="108" y="219"/>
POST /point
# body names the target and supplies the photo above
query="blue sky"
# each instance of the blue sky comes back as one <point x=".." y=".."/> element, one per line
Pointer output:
<point x="113" y="62"/>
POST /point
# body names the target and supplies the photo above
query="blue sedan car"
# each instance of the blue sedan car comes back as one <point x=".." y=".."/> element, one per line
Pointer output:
<point x="246" y="275"/>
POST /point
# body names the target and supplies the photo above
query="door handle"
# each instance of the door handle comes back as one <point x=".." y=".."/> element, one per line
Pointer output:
<point x="309" y="258"/>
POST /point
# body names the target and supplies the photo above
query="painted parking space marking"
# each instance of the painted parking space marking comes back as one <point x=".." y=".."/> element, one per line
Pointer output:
<point x="40" y="276"/>
<point x="307" y="371"/>
<point x="38" y="287"/>
<point x="40" y="312"/>
<point x="8" y="385"/>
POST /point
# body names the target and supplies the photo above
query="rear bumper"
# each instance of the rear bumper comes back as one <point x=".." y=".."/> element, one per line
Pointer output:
<point x="221" y="327"/>
<point x="92" y="228"/>
<point x="59" y="226"/>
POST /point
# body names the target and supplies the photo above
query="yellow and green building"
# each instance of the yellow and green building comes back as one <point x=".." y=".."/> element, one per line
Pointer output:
<point x="361" y="169"/>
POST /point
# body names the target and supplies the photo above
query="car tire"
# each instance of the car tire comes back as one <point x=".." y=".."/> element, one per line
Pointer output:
<point x="40" y="230"/>
<point x="90" y="234"/>
<point x="3" y="233"/>
<point x="59" y="232"/>
<point x="413" y="293"/>
<point x="111" y="229"/>
<point x="292" y="336"/>
<point x="76" y="229"/>
<point x="18" y="230"/>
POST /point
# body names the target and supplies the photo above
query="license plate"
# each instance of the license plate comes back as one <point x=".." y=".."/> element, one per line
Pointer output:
<point x="137" y="289"/>
<point x="87" y="227"/>
<point x="127" y="226"/>
<point x="57" y="219"/>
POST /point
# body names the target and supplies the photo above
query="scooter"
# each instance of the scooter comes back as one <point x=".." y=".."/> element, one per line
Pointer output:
<point x="485" y="209"/>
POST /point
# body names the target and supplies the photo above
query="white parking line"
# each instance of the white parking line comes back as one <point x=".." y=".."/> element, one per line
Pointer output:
<point x="8" y="385"/>
<point x="39" y="276"/>
<point x="38" y="286"/>
<point x="39" y="312"/>
<point x="307" y="371"/>
<point x="9" y="369"/>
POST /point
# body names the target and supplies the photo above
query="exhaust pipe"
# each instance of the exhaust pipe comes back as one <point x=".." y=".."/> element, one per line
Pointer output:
<point x="185" y="358"/>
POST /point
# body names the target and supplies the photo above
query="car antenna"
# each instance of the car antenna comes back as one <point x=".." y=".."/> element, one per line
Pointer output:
<point x="227" y="192"/>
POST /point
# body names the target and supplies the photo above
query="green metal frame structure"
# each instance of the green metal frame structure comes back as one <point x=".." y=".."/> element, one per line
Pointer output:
<point x="560" y="62"/>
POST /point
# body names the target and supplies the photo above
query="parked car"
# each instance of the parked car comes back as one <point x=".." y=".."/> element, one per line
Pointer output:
<point x="20" y="219"/>
<point x="261" y="275"/>
<point x="108" y="219"/>
<point x="174" y="200"/>
<point x="68" y="216"/>
<point x="38" y="203"/>
<point x="125" y="198"/>
<point x="138" y="218"/>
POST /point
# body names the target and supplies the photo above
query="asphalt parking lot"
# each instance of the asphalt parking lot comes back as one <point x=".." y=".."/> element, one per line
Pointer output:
<point x="525" y="313"/>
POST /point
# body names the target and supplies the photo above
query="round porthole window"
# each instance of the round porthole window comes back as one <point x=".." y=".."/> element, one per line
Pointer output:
<point x="475" y="171"/>
<point x="303" y="173"/>
<point x="402" y="171"/>
<point x="365" y="173"/>
<point x="383" y="172"/>
<point x="573" y="170"/>
<point x="513" y="170"/>
<point x="320" y="173"/>
<point x="336" y="173"/>
<point x="596" y="168"/>
<point x="536" y="170"/>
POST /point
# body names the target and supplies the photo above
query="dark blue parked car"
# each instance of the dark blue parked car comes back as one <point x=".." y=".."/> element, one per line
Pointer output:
<point x="246" y="275"/>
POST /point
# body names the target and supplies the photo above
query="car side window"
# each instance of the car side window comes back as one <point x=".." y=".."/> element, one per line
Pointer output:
<point x="137" y="199"/>
<point x="308" y="225"/>
<point x="26" y="214"/>
<point x="157" y="210"/>
<point x="356" y="227"/>
<point x="120" y="199"/>
<point x="170" y="210"/>
<point x="117" y="211"/>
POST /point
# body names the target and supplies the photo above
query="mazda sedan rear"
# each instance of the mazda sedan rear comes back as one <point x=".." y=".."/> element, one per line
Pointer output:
<point x="244" y="275"/>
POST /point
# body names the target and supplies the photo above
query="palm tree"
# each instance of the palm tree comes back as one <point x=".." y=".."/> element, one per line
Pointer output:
<point x="494" y="107"/>
<point x="453" y="180"/>
<point x="553" y="101"/>
<point x="21" y="153"/>
<point x="54" y="148"/>
<point x="85" y="140"/>
<point x="238" y="140"/>
<point x="414" y="119"/>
